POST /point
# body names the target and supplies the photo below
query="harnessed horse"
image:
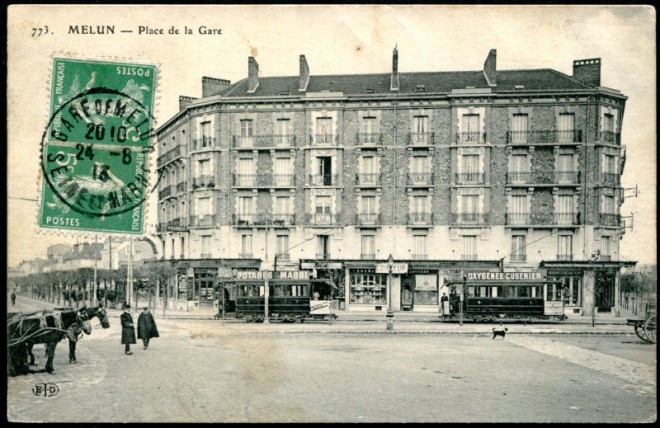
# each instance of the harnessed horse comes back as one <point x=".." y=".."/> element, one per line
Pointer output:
<point x="26" y="330"/>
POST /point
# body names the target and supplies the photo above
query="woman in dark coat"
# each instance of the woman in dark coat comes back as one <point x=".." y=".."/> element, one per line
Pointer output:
<point x="127" y="329"/>
<point x="146" y="327"/>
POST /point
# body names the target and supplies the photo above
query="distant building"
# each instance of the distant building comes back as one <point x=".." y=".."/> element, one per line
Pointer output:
<point x="449" y="172"/>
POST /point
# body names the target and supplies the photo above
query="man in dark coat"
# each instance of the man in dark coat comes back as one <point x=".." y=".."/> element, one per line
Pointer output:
<point x="146" y="327"/>
<point x="127" y="329"/>
<point x="13" y="298"/>
<point x="73" y="333"/>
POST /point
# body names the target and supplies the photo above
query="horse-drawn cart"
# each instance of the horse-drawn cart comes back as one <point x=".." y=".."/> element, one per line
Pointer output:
<point x="645" y="328"/>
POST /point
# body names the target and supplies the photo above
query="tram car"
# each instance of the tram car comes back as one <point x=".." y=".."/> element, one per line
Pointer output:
<point x="492" y="302"/>
<point x="288" y="301"/>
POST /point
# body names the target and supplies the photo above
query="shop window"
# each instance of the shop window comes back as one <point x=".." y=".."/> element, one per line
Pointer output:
<point x="368" y="289"/>
<point x="571" y="286"/>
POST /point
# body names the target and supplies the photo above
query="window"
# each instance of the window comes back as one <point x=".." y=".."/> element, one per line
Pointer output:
<point x="245" y="210"/>
<point x="470" y="206"/>
<point x="470" y="128"/>
<point x="204" y="168"/>
<point x="565" y="248"/>
<point x="281" y="205"/>
<point x="183" y="247"/>
<point x="245" y="175"/>
<point x="469" y="243"/>
<point x="283" y="132"/>
<point x="608" y="124"/>
<point x="571" y="285"/>
<point x="203" y="206"/>
<point x="324" y="130"/>
<point x="206" y="134"/>
<point x="605" y="253"/>
<point x="519" y="128"/>
<point x="609" y="164"/>
<point x="519" y="169"/>
<point x="518" y="213"/>
<point x="369" y="134"/>
<point x="368" y="247"/>
<point x="368" y="213"/>
<point x="608" y="205"/>
<point x="566" y="127"/>
<point x="246" y="246"/>
<point x="247" y="133"/>
<point x="564" y="212"/>
<point x="206" y="246"/>
<point x="368" y="172"/>
<point x="282" y="247"/>
<point x="565" y="169"/>
<point x="322" y="210"/>
<point x="419" y="170"/>
<point x="324" y="177"/>
<point x="470" y="167"/>
<point x="323" y="247"/>
<point x="518" y="248"/>
<point x="419" y="247"/>
<point x="368" y="288"/>
<point x="282" y="172"/>
<point x="420" y="130"/>
<point x="418" y="208"/>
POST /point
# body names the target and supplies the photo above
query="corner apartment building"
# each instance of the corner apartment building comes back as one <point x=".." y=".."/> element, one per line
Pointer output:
<point x="448" y="172"/>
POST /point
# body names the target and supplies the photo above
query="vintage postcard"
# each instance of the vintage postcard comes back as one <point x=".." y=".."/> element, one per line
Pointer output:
<point x="331" y="213"/>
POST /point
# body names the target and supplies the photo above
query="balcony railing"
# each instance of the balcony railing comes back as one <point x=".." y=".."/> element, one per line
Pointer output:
<point x="517" y="177"/>
<point x="419" y="256"/>
<point x="565" y="219"/>
<point x="264" y="219"/>
<point x="170" y="155"/>
<point x="420" y="218"/>
<point x="469" y="218"/>
<point x="205" y="255"/>
<point x="182" y="187"/>
<point x="518" y="219"/>
<point x="367" y="256"/>
<point x="264" y="141"/>
<point x="567" y="177"/>
<point x="162" y="227"/>
<point x="284" y="257"/>
<point x="564" y="257"/>
<point x="323" y="140"/>
<point x="470" y="178"/>
<point x="245" y="255"/>
<point x="366" y="138"/>
<point x="248" y="180"/>
<point x="283" y="219"/>
<point x="323" y="179"/>
<point x="610" y="137"/>
<point x="544" y="137"/>
<point x="471" y="137"/>
<point x="283" y="180"/>
<point x="323" y="256"/>
<point x="610" y="219"/>
<point x="366" y="219"/>
<point x="468" y="257"/>
<point x="421" y="138"/>
<point x="605" y="258"/>
<point x="204" y="181"/>
<point x="167" y="191"/>
<point x="368" y="179"/>
<point x="204" y="143"/>
<point x="518" y="257"/>
<point x="203" y="220"/>
<point x="420" y="178"/>
<point x="323" y="219"/>
<point x="178" y="225"/>
<point x="610" y="178"/>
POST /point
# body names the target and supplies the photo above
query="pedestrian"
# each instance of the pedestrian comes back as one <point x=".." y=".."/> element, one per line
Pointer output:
<point x="73" y="333"/>
<point x="127" y="329"/>
<point x="13" y="298"/>
<point x="444" y="301"/>
<point x="146" y="327"/>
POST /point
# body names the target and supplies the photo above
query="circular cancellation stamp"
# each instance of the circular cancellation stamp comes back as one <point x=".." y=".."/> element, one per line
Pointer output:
<point x="95" y="148"/>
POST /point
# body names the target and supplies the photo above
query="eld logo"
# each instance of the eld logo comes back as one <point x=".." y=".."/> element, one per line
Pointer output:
<point x="46" y="389"/>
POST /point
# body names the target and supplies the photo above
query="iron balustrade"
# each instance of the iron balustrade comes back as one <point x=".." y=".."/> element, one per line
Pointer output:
<point x="182" y="186"/>
<point x="323" y="140"/>
<point x="203" y="143"/>
<point x="607" y="219"/>
<point x="284" y="257"/>
<point x="517" y="177"/>
<point x="167" y="191"/>
<point x="470" y="178"/>
<point x="420" y="178"/>
<point x="162" y="227"/>
<point x="564" y="257"/>
<point x="544" y="137"/>
<point x="468" y="257"/>
<point x="203" y="220"/>
<point x="368" y="218"/>
<point x="244" y="179"/>
<point x="518" y="219"/>
<point x="323" y="219"/>
<point x="605" y="258"/>
<point x="568" y="218"/>
<point x="369" y="138"/>
<point x="283" y="179"/>
<point x="420" y="218"/>
<point x="610" y="178"/>
<point x="421" y="138"/>
<point x="367" y="256"/>
<point x="263" y="141"/>
<point x="469" y="218"/>
<point x="610" y="137"/>
<point x="368" y="179"/>
<point x="205" y="255"/>
<point x="567" y="177"/>
<point x="518" y="257"/>
<point x="283" y="219"/>
<point x="471" y="137"/>
<point x="322" y="179"/>
<point x="322" y="256"/>
<point x="264" y="219"/>
<point x="170" y="155"/>
<point x="178" y="225"/>
<point x="419" y="256"/>
<point x="203" y="181"/>
<point x="245" y="255"/>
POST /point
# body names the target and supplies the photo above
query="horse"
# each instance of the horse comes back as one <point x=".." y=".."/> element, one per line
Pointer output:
<point x="26" y="330"/>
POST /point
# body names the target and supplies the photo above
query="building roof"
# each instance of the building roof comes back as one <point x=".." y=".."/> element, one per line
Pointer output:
<point x="409" y="83"/>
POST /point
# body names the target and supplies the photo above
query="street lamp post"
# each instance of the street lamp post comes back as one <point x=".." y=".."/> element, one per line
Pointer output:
<point x="390" y="312"/>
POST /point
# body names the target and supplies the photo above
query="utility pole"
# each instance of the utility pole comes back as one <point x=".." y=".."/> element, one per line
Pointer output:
<point x="93" y="299"/>
<point x="129" y="273"/>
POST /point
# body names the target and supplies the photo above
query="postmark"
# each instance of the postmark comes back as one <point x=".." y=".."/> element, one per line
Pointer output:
<point x="95" y="148"/>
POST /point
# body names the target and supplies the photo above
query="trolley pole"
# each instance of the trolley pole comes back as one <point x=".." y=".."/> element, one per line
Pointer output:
<point x="390" y="312"/>
<point x="266" y="321"/>
<point x="460" y="303"/>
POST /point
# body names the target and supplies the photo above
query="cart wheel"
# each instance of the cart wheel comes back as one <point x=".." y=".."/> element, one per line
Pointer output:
<point x="650" y="328"/>
<point x="639" y="330"/>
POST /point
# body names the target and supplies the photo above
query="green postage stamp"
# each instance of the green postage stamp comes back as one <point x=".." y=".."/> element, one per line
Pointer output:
<point x="95" y="148"/>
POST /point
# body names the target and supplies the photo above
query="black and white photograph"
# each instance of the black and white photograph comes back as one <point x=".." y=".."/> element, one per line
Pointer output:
<point x="331" y="214"/>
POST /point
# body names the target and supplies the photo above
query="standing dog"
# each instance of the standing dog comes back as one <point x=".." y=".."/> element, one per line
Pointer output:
<point x="499" y="332"/>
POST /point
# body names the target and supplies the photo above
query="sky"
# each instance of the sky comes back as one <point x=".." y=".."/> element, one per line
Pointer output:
<point x="335" y="40"/>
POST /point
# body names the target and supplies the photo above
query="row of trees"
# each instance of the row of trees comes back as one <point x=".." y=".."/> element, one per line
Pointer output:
<point x="639" y="287"/>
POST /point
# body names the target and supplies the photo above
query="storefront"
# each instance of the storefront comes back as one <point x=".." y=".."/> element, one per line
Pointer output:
<point x="420" y="290"/>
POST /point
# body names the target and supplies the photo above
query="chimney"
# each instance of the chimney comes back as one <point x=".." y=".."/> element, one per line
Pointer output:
<point x="394" y="83"/>
<point x="253" y="74"/>
<point x="184" y="102"/>
<point x="490" y="68"/>
<point x="212" y="86"/>
<point x="303" y="80"/>
<point x="587" y="71"/>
